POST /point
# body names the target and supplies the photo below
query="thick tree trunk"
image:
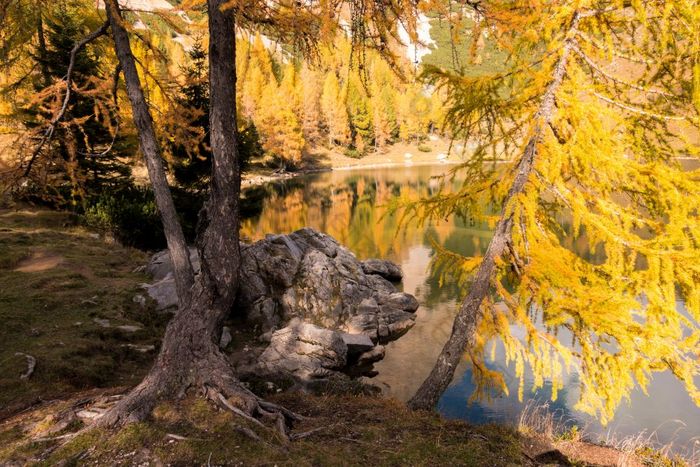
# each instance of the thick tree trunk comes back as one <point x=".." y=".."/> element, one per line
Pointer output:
<point x="467" y="319"/>
<point x="184" y="274"/>
<point x="190" y="355"/>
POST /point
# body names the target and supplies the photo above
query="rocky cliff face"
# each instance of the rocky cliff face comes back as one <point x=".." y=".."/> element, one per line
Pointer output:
<point x="322" y="312"/>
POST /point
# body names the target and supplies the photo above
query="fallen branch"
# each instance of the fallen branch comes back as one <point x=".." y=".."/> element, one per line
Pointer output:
<point x="31" y="364"/>
<point x="306" y="434"/>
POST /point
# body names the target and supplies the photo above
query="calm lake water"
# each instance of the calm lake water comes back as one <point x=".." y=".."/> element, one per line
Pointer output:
<point x="348" y="205"/>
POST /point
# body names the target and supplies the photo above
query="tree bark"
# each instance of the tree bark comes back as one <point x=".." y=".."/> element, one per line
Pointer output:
<point x="179" y="253"/>
<point x="190" y="355"/>
<point x="467" y="319"/>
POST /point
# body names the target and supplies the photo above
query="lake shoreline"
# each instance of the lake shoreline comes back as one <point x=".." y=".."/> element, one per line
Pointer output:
<point x="258" y="179"/>
<point x="399" y="155"/>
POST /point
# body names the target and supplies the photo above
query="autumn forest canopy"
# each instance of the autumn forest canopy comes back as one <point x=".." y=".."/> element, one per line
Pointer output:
<point x="572" y="122"/>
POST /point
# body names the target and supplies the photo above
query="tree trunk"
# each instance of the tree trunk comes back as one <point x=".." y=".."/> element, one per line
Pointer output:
<point x="466" y="321"/>
<point x="184" y="274"/>
<point x="42" y="50"/>
<point x="190" y="354"/>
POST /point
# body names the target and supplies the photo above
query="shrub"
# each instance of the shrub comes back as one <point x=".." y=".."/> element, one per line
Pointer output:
<point x="130" y="215"/>
<point x="354" y="153"/>
<point x="424" y="148"/>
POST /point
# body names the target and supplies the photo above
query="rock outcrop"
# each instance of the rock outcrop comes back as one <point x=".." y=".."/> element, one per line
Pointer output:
<point x="308" y="275"/>
<point x="324" y="312"/>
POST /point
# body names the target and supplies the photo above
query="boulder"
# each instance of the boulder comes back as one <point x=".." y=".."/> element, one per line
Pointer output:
<point x="308" y="275"/>
<point x="163" y="292"/>
<point x="160" y="265"/>
<point x="317" y="307"/>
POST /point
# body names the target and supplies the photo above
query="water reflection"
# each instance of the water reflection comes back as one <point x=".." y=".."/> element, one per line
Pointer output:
<point x="350" y="207"/>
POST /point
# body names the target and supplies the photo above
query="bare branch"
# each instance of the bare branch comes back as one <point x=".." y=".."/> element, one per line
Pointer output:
<point x="595" y="67"/>
<point x="637" y="110"/>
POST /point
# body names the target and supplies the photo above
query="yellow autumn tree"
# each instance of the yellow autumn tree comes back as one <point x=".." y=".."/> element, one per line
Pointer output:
<point x="258" y="74"/>
<point x="595" y="115"/>
<point x="383" y="88"/>
<point x="278" y="125"/>
<point x="310" y="84"/>
<point x="334" y="111"/>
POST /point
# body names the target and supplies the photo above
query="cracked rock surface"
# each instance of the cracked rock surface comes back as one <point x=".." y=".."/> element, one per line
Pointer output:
<point x="324" y="310"/>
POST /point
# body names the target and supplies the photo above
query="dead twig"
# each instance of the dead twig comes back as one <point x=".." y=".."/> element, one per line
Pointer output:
<point x="306" y="434"/>
<point x="31" y="364"/>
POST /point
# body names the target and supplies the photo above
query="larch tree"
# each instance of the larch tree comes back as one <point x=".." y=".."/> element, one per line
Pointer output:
<point x="383" y="103"/>
<point x="310" y="89"/>
<point x="278" y="124"/>
<point x="58" y="96"/>
<point x="597" y="106"/>
<point x="334" y="111"/>
<point x="360" y="112"/>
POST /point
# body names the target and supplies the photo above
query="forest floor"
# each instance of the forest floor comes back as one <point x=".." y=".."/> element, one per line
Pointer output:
<point x="71" y="313"/>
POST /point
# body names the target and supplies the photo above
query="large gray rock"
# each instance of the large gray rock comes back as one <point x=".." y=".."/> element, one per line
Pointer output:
<point x="320" y="309"/>
<point x="163" y="292"/>
<point x="308" y="275"/>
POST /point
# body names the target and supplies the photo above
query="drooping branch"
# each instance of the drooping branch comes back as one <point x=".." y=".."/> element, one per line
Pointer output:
<point x="637" y="110"/>
<point x="466" y="321"/>
<point x="48" y="133"/>
<point x="179" y="253"/>
<point x="598" y="69"/>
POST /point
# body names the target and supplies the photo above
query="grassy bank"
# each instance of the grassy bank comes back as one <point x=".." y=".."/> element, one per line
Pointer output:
<point x="67" y="300"/>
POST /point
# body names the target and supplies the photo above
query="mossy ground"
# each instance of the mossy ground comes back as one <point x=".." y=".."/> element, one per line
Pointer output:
<point x="50" y="313"/>
<point x="351" y="431"/>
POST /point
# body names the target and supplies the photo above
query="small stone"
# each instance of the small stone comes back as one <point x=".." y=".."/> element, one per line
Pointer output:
<point x="102" y="322"/>
<point x="141" y="348"/>
<point x="129" y="328"/>
<point x="372" y="356"/>
<point x="140" y="300"/>
<point x="226" y="337"/>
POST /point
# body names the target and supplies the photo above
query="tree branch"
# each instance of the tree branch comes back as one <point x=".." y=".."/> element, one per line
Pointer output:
<point x="637" y="110"/>
<point x="595" y="67"/>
